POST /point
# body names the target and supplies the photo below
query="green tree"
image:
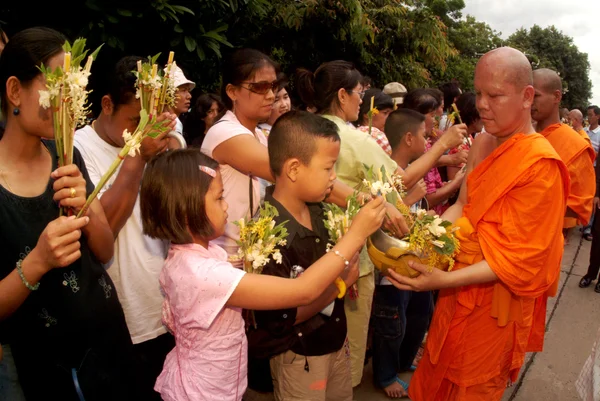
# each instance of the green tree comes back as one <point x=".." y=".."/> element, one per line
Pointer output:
<point x="472" y="39"/>
<point x="551" y="48"/>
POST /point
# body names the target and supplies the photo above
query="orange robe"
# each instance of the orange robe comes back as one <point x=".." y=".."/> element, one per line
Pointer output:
<point x="585" y="136"/>
<point x="516" y="200"/>
<point x="579" y="157"/>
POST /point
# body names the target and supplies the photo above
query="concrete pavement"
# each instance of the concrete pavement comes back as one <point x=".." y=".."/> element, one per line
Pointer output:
<point x="572" y="327"/>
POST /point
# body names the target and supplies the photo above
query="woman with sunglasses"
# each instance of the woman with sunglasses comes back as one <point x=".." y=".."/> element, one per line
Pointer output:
<point x="249" y="81"/>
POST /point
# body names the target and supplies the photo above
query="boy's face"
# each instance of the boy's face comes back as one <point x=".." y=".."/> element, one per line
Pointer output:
<point x="418" y="142"/>
<point x="315" y="180"/>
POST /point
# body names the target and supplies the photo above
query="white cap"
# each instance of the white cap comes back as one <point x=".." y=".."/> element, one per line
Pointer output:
<point x="179" y="78"/>
<point x="396" y="90"/>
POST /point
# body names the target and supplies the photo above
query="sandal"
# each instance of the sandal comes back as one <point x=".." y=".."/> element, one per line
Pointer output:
<point x="588" y="237"/>
<point x="404" y="386"/>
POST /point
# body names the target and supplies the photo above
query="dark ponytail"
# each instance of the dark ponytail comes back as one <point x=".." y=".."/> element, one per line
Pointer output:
<point x="320" y="89"/>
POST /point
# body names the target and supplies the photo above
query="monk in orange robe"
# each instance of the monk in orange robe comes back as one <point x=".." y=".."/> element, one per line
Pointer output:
<point x="492" y="306"/>
<point x="577" y="154"/>
<point x="576" y="119"/>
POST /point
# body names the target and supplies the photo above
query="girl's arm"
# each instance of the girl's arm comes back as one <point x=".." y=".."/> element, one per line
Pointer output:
<point x="262" y="292"/>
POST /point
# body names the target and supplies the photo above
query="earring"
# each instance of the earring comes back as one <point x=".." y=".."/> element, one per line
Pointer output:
<point x="16" y="111"/>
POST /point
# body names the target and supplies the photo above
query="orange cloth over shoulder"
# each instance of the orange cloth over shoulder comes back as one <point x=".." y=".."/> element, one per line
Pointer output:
<point x="585" y="136"/>
<point x="516" y="198"/>
<point x="579" y="157"/>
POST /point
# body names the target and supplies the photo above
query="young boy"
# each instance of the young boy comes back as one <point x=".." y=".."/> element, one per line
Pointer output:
<point x="306" y="344"/>
<point x="400" y="318"/>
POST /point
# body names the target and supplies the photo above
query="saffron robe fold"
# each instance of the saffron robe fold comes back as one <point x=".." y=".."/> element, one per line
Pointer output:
<point x="585" y="136"/>
<point x="579" y="157"/>
<point x="516" y="200"/>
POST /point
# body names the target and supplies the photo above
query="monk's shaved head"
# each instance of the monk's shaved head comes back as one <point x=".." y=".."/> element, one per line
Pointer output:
<point x="576" y="115"/>
<point x="513" y="62"/>
<point x="547" y="80"/>
<point x="504" y="89"/>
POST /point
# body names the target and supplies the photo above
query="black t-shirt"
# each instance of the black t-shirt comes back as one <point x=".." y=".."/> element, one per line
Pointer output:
<point x="75" y="308"/>
<point x="277" y="333"/>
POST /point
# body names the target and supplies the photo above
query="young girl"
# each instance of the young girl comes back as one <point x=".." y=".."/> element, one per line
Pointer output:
<point x="182" y="201"/>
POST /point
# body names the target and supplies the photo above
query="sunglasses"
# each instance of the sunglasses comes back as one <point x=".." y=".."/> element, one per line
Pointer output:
<point x="262" y="87"/>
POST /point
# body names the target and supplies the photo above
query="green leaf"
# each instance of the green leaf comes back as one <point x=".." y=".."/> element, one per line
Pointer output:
<point x="112" y="19"/>
<point x="445" y="224"/>
<point x="200" y="53"/>
<point x="215" y="47"/>
<point x="177" y="28"/>
<point x="190" y="43"/>
<point x="124" y="13"/>
<point x="182" y="10"/>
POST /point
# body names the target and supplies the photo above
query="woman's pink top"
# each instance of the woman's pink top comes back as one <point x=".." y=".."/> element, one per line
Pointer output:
<point x="209" y="361"/>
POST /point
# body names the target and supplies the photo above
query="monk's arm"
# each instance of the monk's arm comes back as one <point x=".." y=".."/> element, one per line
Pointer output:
<point x="582" y="189"/>
<point x="478" y="273"/>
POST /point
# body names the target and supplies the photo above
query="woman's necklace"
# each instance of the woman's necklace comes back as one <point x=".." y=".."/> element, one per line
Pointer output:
<point x="3" y="173"/>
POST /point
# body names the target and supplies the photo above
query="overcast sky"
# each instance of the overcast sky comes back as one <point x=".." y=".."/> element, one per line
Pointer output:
<point x="575" y="18"/>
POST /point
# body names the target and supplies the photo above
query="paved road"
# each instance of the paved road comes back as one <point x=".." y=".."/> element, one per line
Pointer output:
<point x="572" y="326"/>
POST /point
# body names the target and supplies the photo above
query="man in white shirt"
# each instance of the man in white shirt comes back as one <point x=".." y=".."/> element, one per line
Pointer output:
<point x="138" y="259"/>
<point x="593" y="131"/>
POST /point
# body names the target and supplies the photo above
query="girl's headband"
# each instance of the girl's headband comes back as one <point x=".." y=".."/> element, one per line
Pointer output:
<point x="208" y="171"/>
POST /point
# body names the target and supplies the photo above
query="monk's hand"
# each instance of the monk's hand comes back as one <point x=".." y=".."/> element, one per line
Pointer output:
<point x="394" y="221"/>
<point x="429" y="279"/>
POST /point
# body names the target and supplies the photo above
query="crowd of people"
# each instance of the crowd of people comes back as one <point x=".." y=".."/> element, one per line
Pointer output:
<point x="142" y="298"/>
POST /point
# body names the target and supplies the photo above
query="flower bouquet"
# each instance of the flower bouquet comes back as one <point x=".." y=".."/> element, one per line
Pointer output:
<point x="259" y="238"/>
<point x="155" y="91"/>
<point x="66" y="95"/>
<point x="381" y="183"/>
<point x="430" y="240"/>
<point x="337" y="224"/>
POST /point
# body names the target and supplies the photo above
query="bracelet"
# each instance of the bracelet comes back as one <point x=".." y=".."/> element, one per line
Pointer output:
<point x="335" y="251"/>
<point x="24" y="280"/>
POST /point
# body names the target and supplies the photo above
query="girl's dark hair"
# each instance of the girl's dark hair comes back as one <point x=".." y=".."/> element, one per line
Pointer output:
<point x="451" y="91"/>
<point x="172" y="196"/>
<point x="321" y="88"/>
<point x="241" y="66"/>
<point x="467" y="107"/>
<point x="194" y="125"/>
<point x="282" y="82"/>
<point x="121" y="83"/>
<point x="422" y="100"/>
<point x="382" y="102"/>
<point x="24" y="53"/>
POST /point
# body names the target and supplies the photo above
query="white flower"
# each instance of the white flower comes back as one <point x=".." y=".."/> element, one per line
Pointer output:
<point x="272" y="225"/>
<point x="435" y="228"/>
<point x="127" y="136"/>
<point x="45" y="99"/>
<point x="421" y="213"/>
<point x="242" y="223"/>
<point x="134" y="149"/>
<point x="439" y="244"/>
<point x="277" y="257"/>
<point x="283" y="242"/>
<point x="259" y="261"/>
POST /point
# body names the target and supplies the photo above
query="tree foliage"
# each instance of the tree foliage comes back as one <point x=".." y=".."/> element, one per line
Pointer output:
<point x="416" y="42"/>
<point x="551" y="48"/>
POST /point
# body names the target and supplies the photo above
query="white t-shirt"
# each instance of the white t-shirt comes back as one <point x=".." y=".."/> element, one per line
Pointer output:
<point x="138" y="259"/>
<point x="236" y="185"/>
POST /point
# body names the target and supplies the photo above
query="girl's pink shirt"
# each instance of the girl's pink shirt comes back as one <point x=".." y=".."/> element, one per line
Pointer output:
<point x="209" y="361"/>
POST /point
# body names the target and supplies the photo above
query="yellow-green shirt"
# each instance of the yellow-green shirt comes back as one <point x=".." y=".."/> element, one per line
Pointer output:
<point x="357" y="149"/>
